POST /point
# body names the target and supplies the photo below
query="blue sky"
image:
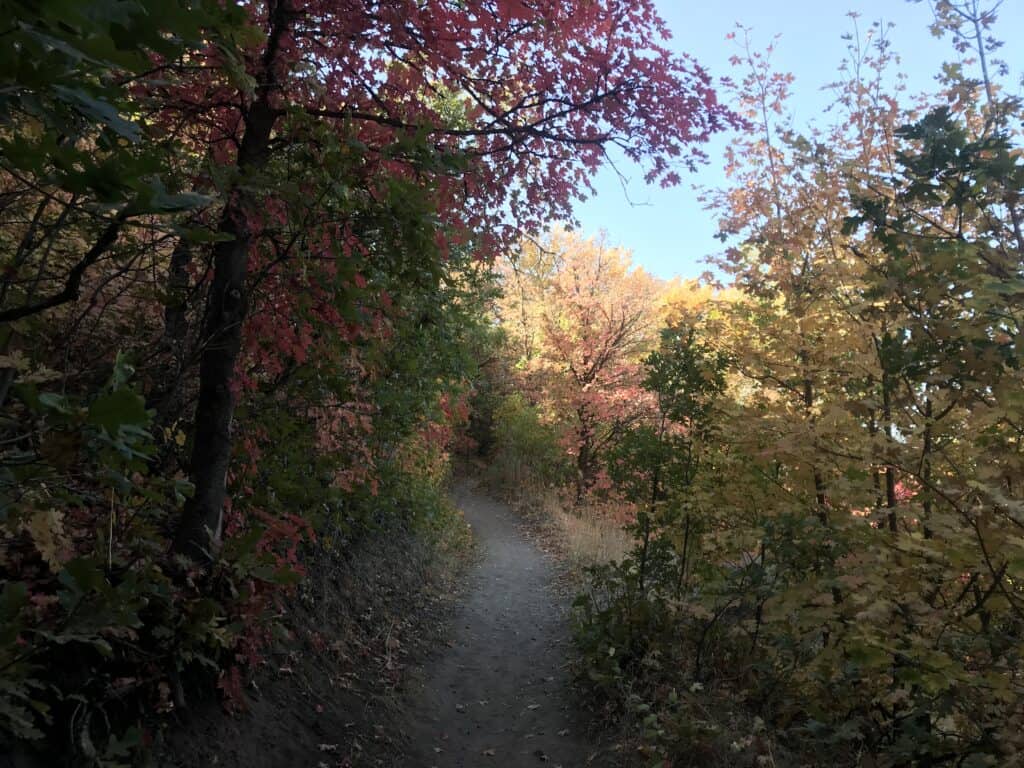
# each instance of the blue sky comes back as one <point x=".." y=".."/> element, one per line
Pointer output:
<point x="667" y="230"/>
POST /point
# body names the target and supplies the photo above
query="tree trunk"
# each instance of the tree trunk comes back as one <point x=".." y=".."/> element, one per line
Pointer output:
<point x="582" y="472"/>
<point x="926" y="467"/>
<point x="890" y="470"/>
<point x="198" y="534"/>
<point x="646" y="521"/>
<point x="176" y="309"/>
<point x="585" y="457"/>
<point x="820" y="498"/>
<point x="166" y="396"/>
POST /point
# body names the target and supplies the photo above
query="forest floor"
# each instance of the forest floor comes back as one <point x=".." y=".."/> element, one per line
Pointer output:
<point x="500" y="695"/>
<point x="407" y="658"/>
<point x="328" y="693"/>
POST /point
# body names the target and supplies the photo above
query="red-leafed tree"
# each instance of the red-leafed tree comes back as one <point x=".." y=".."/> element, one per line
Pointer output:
<point x="502" y="108"/>
<point x="582" y="316"/>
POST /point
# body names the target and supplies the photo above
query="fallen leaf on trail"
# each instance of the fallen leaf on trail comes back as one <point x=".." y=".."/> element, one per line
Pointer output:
<point x="564" y="732"/>
<point x="328" y="747"/>
<point x="460" y="707"/>
<point x="533" y="706"/>
<point x="489" y="752"/>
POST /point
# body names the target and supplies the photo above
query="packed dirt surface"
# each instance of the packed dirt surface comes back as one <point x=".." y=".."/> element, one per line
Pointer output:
<point x="500" y="695"/>
<point x="400" y="657"/>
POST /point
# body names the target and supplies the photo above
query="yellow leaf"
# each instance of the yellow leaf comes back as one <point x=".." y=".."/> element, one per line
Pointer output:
<point x="46" y="529"/>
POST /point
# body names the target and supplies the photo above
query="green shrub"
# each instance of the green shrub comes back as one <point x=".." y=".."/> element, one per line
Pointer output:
<point x="526" y="449"/>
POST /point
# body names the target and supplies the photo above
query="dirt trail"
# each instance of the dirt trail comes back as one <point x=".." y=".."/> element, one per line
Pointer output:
<point x="500" y="695"/>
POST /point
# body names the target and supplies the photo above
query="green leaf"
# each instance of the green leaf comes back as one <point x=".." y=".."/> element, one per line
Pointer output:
<point x="119" y="408"/>
<point x="99" y="111"/>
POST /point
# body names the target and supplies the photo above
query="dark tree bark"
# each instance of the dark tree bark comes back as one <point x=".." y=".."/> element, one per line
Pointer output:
<point x="820" y="498"/>
<point x="166" y="395"/>
<point x="585" y="458"/>
<point x="73" y="283"/>
<point x="175" y="312"/>
<point x="926" y="466"/>
<point x="198" y="534"/>
<point x="890" y="470"/>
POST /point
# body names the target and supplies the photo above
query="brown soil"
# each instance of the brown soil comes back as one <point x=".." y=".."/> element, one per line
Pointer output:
<point x="324" y="697"/>
<point x="501" y="695"/>
<point x="401" y="659"/>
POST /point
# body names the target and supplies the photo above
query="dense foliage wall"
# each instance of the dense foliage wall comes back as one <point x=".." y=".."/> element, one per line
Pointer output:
<point x="821" y="463"/>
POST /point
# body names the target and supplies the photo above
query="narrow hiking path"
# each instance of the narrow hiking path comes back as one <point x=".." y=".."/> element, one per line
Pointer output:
<point x="500" y="695"/>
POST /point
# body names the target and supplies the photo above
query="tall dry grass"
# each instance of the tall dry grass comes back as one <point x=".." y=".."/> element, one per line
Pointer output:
<point x="586" y="535"/>
<point x="590" y="539"/>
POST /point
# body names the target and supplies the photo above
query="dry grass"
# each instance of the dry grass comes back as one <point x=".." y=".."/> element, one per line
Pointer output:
<point x="584" y="536"/>
<point x="588" y="538"/>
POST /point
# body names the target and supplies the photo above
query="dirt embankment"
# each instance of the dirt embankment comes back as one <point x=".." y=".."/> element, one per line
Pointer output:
<point x="402" y="659"/>
<point x="326" y="694"/>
